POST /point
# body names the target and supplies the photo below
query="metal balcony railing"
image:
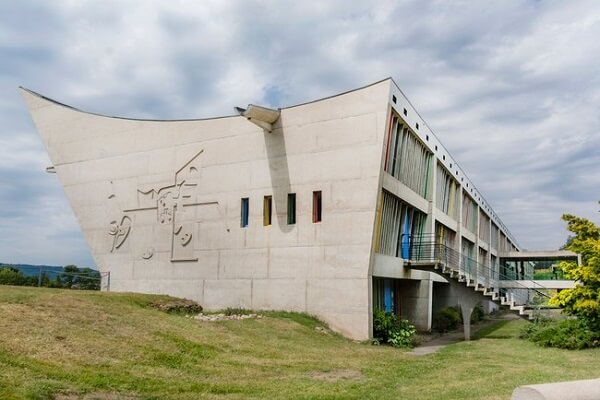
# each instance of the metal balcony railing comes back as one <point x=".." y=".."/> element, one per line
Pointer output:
<point x="428" y="249"/>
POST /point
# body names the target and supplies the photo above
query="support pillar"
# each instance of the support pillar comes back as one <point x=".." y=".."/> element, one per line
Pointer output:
<point x="429" y="284"/>
<point x="467" y="300"/>
<point x="467" y="304"/>
<point x="416" y="298"/>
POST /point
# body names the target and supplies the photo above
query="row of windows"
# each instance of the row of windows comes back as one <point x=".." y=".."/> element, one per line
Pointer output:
<point x="447" y="192"/>
<point x="291" y="209"/>
<point x="483" y="205"/>
<point x="406" y="158"/>
<point x="399" y="222"/>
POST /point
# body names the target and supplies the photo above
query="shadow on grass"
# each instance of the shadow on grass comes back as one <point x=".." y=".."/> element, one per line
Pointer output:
<point x="491" y="332"/>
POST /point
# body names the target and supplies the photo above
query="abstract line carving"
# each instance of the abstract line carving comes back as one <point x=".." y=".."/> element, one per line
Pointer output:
<point x="119" y="231"/>
<point x="170" y="203"/>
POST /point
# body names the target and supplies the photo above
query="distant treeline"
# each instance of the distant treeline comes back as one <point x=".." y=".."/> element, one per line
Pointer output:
<point x="71" y="277"/>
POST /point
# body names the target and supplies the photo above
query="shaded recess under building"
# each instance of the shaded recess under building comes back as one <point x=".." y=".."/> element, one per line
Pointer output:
<point x="333" y="207"/>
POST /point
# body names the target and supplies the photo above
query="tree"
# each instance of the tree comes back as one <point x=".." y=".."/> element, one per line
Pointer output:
<point x="582" y="301"/>
<point x="69" y="276"/>
<point x="73" y="277"/>
<point x="89" y="279"/>
<point x="12" y="276"/>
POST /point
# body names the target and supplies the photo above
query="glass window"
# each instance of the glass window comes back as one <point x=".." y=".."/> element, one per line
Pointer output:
<point x="245" y="208"/>
<point x="291" y="209"/>
<point x="317" y="206"/>
<point x="267" y="210"/>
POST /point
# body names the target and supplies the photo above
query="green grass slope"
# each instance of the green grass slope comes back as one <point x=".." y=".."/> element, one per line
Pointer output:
<point x="68" y="345"/>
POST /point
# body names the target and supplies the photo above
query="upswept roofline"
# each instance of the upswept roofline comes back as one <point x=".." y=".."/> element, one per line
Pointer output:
<point x="340" y="94"/>
<point x="193" y="119"/>
<point x="118" y="117"/>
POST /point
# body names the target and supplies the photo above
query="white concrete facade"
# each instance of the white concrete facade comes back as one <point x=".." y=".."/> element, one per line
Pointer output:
<point x="160" y="204"/>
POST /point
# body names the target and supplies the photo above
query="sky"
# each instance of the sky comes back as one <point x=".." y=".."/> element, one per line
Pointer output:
<point x="511" y="88"/>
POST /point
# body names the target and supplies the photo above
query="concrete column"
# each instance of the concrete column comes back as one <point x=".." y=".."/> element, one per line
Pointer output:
<point x="429" y="284"/>
<point x="416" y="299"/>
<point x="467" y="300"/>
<point x="467" y="304"/>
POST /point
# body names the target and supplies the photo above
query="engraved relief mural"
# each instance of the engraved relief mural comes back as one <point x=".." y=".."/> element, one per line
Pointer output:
<point x="119" y="232"/>
<point x="148" y="253"/>
<point x="173" y="204"/>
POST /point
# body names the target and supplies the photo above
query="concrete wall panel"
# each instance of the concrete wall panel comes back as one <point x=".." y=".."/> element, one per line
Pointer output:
<point x="223" y="293"/>
<point x="279" y="294"/>
<point x="140" y="191"/>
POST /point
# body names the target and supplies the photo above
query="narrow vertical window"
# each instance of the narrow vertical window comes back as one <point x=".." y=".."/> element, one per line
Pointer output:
<point x="245" y="208"/>
<point x="291" y="209"/>
<point x="317" y="206"/>
<point x="267" y="212"/>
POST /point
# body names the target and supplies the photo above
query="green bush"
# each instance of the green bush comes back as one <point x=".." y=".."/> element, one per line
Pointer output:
<point x="535" y="326"/>
<point x="447" y="319"/>
<point x="229" y="311"/>
<point x="572" y="334"/>
<point x="388" y="328"/>
<point x="74" y="277"/>
<point x="477" y="314"/>
<point x="174" y="305"/>
<point x="12" y="276"/>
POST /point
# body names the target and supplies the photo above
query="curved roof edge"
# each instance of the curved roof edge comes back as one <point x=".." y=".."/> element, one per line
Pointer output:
<point x="58" y="103"/>
<point x="41" y="96"/>
<point x="339" y="94"/>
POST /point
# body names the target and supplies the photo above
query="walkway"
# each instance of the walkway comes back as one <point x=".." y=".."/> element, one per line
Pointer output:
<point x="444" y="340"/>
<point x="537" y="284"/>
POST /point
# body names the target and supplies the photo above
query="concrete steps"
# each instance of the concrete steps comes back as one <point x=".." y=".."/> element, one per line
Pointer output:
<point x="488" y="293"/>
<point x="471" y="291"/>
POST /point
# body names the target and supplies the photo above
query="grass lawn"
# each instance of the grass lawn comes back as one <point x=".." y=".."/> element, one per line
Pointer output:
<point x="60" y="344"/>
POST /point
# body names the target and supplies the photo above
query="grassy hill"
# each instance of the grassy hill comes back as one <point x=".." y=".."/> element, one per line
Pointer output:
<point x="60" y="344"/>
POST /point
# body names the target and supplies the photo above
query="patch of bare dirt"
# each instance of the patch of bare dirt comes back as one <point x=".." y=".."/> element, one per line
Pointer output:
<point x="337" y="375"/>
<point x="95" y="396"/>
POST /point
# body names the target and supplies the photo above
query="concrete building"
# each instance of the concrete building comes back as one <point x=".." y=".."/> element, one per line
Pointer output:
<point x="309" y="208"/>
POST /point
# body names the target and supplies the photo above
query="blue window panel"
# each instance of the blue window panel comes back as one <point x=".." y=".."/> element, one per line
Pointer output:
<point x="245" y="210"/>
<point x="387" y="295"/>
<point x="406" y="236"/>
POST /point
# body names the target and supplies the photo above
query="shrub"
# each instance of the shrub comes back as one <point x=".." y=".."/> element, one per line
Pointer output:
<point x="572" y="333"/>
<point x="12" y="276"/>
<point x="229" y="311"/>
<point x="388" y="328"/>
<point x="582" y="301"/>
<point x="447" y="319"/>
<point x="173" y="305"/>
<point x="477" y="314"/>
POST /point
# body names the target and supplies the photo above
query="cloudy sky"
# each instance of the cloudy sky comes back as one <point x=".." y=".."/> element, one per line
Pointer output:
<point x="512" y="88"/>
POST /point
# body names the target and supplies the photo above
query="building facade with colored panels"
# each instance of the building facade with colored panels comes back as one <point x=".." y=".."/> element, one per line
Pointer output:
<point x="310" y="208"/>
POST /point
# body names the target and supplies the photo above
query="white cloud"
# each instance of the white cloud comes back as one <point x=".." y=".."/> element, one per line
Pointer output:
<point x="22" y="151"/>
